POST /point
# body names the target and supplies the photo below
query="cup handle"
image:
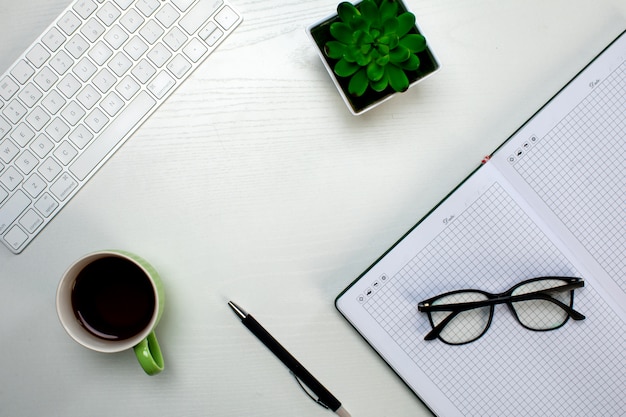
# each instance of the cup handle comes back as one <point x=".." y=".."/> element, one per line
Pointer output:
<point x="149" y="354"/>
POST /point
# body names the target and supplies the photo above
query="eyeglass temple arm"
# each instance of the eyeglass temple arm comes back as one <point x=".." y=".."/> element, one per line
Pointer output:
<point x="455" y="309"/>
<point x="426" y="306"/>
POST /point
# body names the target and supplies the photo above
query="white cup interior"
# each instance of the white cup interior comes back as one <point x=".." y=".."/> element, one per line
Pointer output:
<point x="71" y="323"/>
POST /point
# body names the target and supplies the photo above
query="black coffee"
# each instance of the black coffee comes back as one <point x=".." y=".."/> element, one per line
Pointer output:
<point x="113" y="298"/>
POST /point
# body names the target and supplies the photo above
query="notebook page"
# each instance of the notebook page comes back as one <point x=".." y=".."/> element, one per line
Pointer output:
<point x="491" y="244"/>
<point x="575" y="169"/>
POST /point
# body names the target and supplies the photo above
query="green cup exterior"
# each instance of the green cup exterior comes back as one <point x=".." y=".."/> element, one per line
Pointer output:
<point x="149" y="355"/>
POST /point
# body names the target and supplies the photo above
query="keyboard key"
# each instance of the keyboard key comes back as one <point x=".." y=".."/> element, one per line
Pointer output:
<point x="76" y="46"/>
<point x="167" y="15"/>
<point x="53" y="39"/>
<point x="127" y="87"/>
<point x="14" y="111"/>
<point x="16" y="237"/>
<point x="37" y="118"/>
<point x="88" y="97"/>
<point x="84" y="69"/>
<point x="4" y="127"/>
<point x="11" y="178"/>
<point x="12" y="208"/>
<point x="49" y="169"/>
<point x="85" y="8"/>
<point x="80" y="136"/>
<point x="104" y="80"/>
<point x="53" y="102"/>
<point x="45" y="79"/>
<point x="199" y="14"/>
<point x="100" y="53"/>
<point x="69" y="23"/>
<point x="124" y="123"/>
<point x="26" y="162"/>
<point x="8" y="150"/>
<point x="159" y="55"/>
<point x="30" y="94"/>
<point x="120" y="63"/>
<point x="46" y="205"/>
<point x="179" y="66"/>
<point x="226" y="17"/>
<point x="63" y="187"/>
<point x="195" y="50"/>
<point x="42" y="145"/>
<point x="61" y="62"/>
<point x="116" y="36"/>
<point x="65" y="153"/>
<point x="207" y="30"/>
<point x="69" y="85"/>
<point x="112" y="104"/>
<point x="132" y="20"/>
<point x="151" y="31"/>
<point x="22" y="71"/>
<point x="135" y="48"/>
<point x="108" y="14"/>
<point x="57" y="129"/>
<point x="72" y="113"/>
<point x="147" y="7"/>
<point x="215" y="36"/>
<point x="96" y="120"/>
<point x="37" y="55"/>
<point x="22" y="134"/>
<point x="175" y="39"/>
<point x="8" y="87"/>
<point x="34" y="185"/>
<point x="31" y="221"/>
<point x="143" y="71"/>
<point x="92" y="29"/>
<point x="161" y="84"/>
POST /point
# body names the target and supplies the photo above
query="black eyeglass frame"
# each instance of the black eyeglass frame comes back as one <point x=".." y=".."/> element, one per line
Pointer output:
<point x="507" y="298"/>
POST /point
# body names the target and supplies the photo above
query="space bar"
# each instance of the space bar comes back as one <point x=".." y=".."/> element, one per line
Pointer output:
<point x="123" y="123"/>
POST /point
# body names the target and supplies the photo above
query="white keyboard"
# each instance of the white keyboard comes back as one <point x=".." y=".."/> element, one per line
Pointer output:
<point x="77" y="94"/>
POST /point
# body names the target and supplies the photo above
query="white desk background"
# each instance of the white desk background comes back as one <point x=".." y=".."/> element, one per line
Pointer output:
<point x="254" y="183"/>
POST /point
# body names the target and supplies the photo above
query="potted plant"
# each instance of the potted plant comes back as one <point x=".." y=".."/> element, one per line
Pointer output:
<point x="372" y="50"/>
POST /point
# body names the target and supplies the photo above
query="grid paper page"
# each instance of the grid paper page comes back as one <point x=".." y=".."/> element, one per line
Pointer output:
<point x="577" y="370"/>
<point x="579" y="170"/>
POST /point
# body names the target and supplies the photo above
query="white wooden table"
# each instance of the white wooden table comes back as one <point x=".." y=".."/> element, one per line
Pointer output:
<point x="254" y="183"/>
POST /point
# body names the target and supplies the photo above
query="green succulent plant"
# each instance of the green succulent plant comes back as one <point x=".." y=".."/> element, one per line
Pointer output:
<point x="373" y="46"/>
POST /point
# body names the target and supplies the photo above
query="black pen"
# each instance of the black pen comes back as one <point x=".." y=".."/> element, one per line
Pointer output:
<point x="325" y="398"/>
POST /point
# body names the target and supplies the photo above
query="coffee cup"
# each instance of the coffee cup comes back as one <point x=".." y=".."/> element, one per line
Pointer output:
<point x="110" y="301"/>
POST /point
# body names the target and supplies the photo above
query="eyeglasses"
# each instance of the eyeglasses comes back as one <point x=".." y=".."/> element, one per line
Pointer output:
<point x="540" y="304"/>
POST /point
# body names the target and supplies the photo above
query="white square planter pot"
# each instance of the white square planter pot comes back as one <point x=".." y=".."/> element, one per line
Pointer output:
<point x="320" y="34"/>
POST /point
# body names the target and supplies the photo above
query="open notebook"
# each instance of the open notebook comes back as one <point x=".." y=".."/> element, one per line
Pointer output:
<point x="550" y="201"/>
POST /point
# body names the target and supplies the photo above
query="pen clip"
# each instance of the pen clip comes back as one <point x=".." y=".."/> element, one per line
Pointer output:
<point x="307" y="391"/>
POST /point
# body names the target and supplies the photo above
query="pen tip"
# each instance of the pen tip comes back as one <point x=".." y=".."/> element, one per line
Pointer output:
<point x="240" y="312"/>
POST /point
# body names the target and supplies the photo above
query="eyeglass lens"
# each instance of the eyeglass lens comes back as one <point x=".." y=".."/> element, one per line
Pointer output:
<point x="542" y="314"/>
<point x="466" y="325"/>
